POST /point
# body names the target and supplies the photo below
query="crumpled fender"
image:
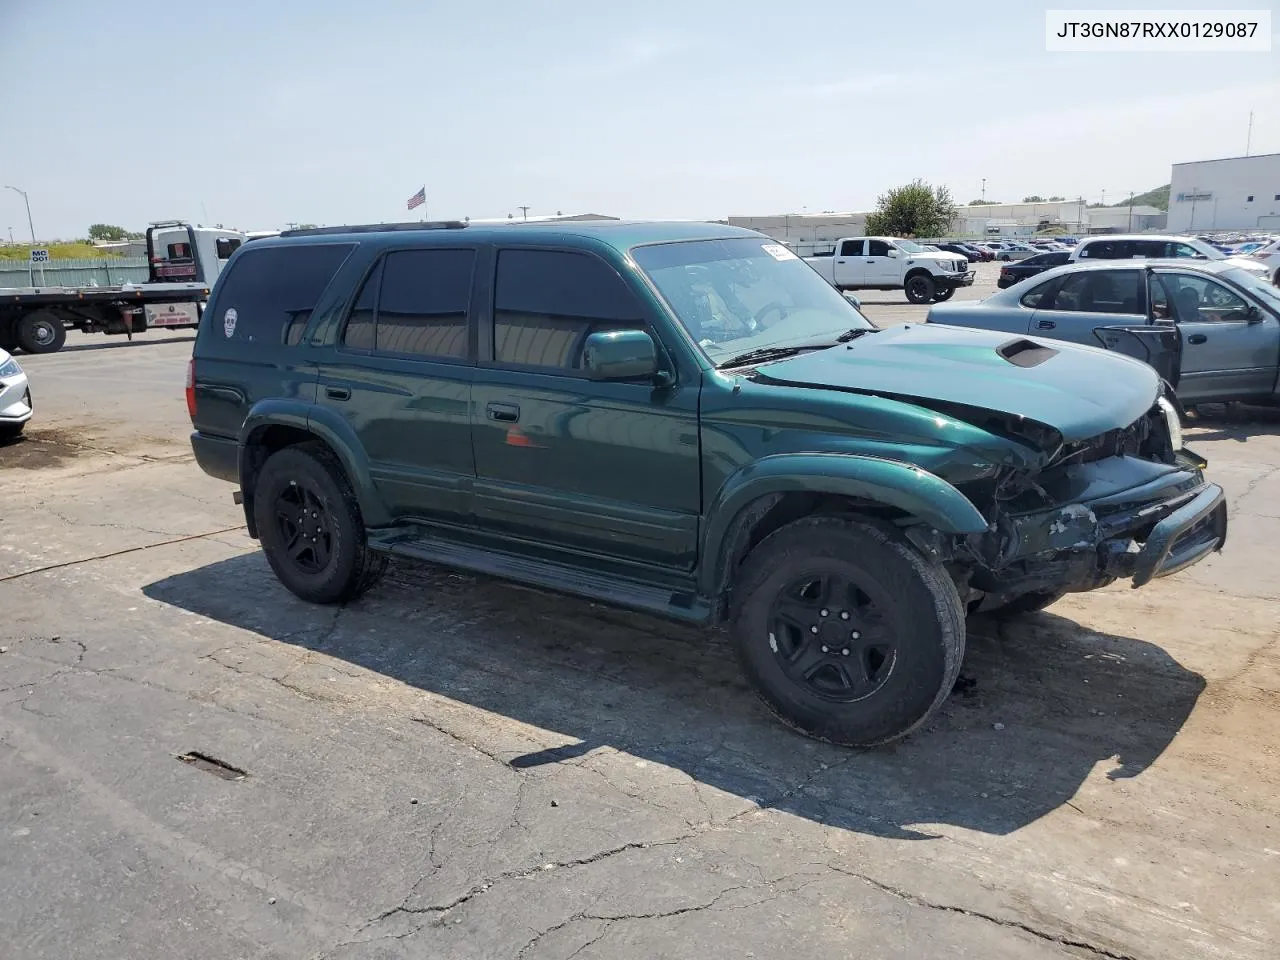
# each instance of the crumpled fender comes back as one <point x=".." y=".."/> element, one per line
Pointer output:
<point x="917" y="492"/>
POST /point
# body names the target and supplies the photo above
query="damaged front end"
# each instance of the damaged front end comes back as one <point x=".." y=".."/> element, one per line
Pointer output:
<point x="1127" y="504"/>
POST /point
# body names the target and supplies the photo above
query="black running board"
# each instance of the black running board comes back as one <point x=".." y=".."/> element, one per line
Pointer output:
<point x="560" y="577"/>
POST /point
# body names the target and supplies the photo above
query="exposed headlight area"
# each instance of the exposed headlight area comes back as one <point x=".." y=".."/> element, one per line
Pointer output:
<point x="10" y="368"/>
<point x="1172" y="421"/>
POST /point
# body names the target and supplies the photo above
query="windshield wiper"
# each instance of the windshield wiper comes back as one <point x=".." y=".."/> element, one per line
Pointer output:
<point x="855" y="333"/>
<point x="761" y="354"/>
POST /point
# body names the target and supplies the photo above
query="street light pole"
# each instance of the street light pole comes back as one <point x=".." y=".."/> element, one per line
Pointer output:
<point x="984" y="189"/>
<point x="27" y="201"/>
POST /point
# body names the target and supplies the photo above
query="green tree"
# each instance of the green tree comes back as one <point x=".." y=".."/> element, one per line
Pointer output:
<point x="106" y="231"/>
<point x="1034" y="198"/>
<point x="1056" y="199"/>
<point x="979" y="203"/>
<point x="916" y="209"/>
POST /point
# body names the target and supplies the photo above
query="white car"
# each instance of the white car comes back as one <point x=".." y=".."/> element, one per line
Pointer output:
<point x="15" y="397"/>
<point x="1156" y="247"/>
<point x="1269" y="257"/>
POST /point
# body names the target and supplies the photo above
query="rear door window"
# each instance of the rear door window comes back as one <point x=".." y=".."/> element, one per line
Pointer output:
<point x="1041" y="296"/>
<point x="267" y="296"/>
<point x="1099" y="291"/>
<point x="423" y="303"/>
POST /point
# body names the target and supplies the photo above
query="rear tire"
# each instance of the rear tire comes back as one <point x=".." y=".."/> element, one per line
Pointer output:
<point x="943" y="293"/>
<point x="891" y="623"/>
<point x="40" y="332"/>
<point x="311" y="528"/>
<point x="919" y="288"/>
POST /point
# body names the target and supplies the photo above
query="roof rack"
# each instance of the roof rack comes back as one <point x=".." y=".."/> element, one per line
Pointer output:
<point x="377" y="228"/>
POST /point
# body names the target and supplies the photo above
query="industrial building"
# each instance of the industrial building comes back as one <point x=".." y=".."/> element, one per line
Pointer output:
<point x="816" y="232"/>
<point x="1235" y="193"/>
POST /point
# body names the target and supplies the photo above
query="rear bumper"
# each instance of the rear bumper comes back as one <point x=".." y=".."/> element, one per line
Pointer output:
<point x="217" y="456"/>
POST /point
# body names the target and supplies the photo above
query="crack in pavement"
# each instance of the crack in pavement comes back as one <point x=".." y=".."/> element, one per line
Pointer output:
<point x="485" y="885"/>
<point x="116" y="553"/>
<point x="919" y="901"/>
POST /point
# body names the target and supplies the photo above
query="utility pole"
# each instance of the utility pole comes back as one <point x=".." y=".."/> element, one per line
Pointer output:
<point x="27" y="201"/>
<point x="1104" y="198"/>
<point x="1130" y="211"/>
<point x="1248" y="140"/>
<point x="11" y="235"/>
<point x="524" y="212"/>
<point x="984" y="189"/>
<point x="1194" y="193"/>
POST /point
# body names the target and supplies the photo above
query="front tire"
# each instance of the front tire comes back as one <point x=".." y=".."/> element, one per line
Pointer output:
<point x="41" y="332"/>
<point x="943" y="293"/>
<point x="919" y="288"/>
<point x="311" y="528"/>
<point x="847" y="633"/>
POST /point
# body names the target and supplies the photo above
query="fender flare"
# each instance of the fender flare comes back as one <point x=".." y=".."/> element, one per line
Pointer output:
<point x="333" y="431"/>
<point x="893" y="483"/>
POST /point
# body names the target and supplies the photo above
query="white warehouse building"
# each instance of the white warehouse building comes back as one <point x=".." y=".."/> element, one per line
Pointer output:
<point x="1236" y="193"/>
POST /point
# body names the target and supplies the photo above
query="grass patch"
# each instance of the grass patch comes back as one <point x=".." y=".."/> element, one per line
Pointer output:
<point x="58" y="251"/>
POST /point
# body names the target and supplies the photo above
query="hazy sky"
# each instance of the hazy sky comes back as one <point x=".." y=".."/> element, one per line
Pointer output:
<point x="256" y="114"/>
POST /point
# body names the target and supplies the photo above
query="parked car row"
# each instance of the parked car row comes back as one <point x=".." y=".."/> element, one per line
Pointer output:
<point x="1209" y="327"/>
<point x="686" y="419"/>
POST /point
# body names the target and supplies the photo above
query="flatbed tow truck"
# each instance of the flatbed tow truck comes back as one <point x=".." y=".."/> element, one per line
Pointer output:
<point x="183" y="261"/>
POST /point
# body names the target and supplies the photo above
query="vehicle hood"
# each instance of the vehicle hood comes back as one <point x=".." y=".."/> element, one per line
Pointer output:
<point x="935" y="255"/>
<point x="1245" y="261"/>
<point x="1079" y="391"/>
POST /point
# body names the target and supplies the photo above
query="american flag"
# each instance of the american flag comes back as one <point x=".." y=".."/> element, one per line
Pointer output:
<point x="418" y="199"/>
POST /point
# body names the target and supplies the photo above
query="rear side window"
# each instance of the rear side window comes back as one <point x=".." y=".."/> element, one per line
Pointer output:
<point x="547" y="302"/>
<point x="268" y="295"/>
<point x="1099" y="291"/>
<point x="1041" y="296"/>
<point x="422" y="303"/>
<point x="226" y="246"/>
<point x="415" y="304"/>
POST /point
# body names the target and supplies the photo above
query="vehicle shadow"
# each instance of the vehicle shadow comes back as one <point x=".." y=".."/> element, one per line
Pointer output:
<point x="1040" y="702"/>
<point x="1232" y="421"/>
<point x="116" y="343"/>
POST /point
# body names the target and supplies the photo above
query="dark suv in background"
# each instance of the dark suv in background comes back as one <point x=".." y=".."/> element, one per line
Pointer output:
<point x="684" y="419"/>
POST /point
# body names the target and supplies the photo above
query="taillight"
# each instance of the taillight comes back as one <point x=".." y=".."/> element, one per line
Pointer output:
<point x="191" y="388"/>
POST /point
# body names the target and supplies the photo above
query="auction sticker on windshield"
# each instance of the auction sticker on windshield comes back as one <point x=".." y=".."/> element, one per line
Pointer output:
<point x="778" y="251"/>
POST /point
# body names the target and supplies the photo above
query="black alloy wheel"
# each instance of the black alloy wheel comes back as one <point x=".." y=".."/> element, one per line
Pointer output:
<point x="831" y="638"/>
<point x="304" y="528"/>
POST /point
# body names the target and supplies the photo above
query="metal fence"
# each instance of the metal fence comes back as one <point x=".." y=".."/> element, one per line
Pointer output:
<point x="105" y="272"/>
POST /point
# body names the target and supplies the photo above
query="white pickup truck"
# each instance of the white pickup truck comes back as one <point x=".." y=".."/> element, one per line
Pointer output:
<point x="888" y="263"/>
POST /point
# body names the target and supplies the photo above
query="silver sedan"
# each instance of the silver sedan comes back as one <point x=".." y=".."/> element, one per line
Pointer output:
<point x="1211" y="329"/>
<point x="15" y="397"/>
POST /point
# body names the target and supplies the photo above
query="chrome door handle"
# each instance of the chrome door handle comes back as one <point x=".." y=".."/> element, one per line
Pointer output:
<point x="503" y="412"/>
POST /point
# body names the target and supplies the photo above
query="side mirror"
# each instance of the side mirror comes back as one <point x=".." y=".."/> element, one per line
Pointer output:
<point x="893" y="251"/>
<point x="620" y="355"/>
<point x="1253" y="314"/>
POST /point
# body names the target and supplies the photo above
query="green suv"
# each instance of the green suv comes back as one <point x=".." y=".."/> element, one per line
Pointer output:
<point x="685" y="419"/>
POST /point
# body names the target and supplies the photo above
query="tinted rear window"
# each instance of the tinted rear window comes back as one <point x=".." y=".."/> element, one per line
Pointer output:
<point x="273" y="291"/>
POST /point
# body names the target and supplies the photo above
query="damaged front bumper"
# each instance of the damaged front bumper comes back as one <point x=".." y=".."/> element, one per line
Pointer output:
<point x="1116" y="518"/>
